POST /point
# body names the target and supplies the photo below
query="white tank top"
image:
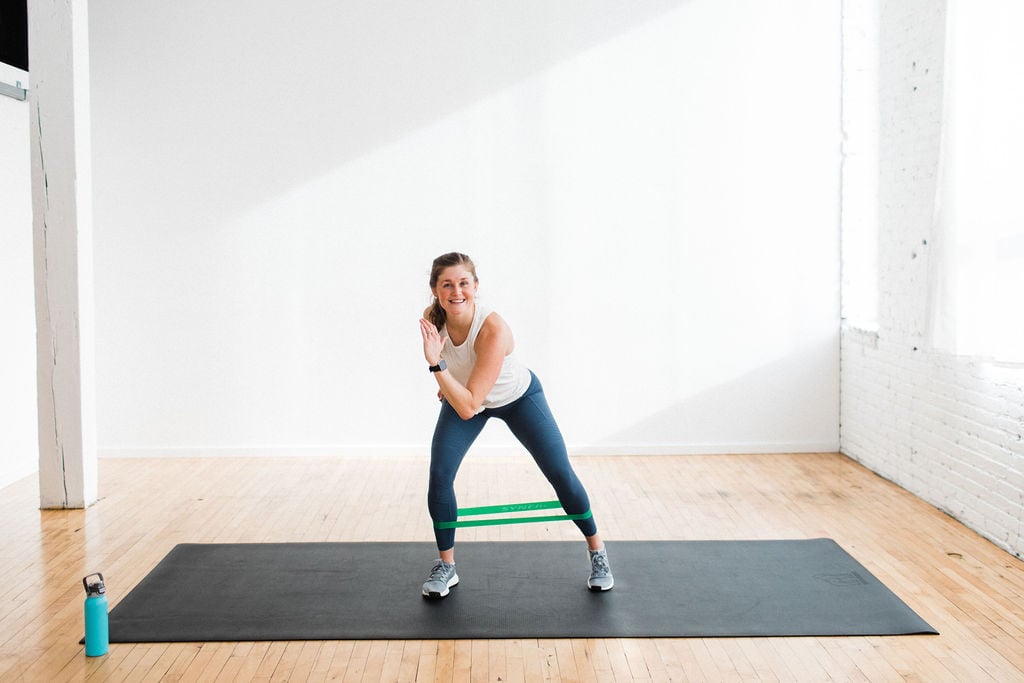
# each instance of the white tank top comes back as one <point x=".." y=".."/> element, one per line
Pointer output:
<point x="514" y="378"/>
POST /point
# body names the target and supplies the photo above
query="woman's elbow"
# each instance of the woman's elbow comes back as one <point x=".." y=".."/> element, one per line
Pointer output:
<point x="467" y="411"/>
<point x="467" y="406"/>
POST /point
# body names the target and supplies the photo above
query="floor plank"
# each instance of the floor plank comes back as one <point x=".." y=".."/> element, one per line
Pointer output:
<point x="970" y="590"/>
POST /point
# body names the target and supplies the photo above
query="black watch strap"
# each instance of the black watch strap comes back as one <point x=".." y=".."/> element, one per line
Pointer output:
<point x="441" y="365"/>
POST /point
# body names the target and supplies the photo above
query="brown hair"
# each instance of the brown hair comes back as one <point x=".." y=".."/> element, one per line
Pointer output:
<point x="436" y="314"/>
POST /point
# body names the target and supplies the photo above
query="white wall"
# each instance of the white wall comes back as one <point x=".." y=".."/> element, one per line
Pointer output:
<point x="947" y="428"/>
<point x="650" y="190"/>
<point x="19" y="449"/>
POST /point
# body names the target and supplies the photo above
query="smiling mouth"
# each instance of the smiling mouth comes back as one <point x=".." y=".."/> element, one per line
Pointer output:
<point x="456" y="301"/>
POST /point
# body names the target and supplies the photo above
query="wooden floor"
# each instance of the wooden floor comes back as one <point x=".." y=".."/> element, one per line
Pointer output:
<point x="969" y="590"/>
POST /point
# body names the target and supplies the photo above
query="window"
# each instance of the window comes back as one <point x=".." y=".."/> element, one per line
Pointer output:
<point x="977" y="274"/>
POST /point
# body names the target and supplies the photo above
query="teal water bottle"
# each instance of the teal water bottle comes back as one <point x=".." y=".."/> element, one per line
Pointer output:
<point x="97" y="635"/>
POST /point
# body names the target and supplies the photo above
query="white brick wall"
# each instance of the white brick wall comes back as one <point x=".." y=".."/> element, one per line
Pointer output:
<point x="946" y="428"/>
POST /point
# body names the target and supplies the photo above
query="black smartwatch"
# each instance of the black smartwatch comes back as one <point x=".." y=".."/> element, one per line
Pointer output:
<point x="441" y="365"/>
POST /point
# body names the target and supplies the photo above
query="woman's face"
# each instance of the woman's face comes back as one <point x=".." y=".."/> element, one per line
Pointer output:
<point x="456" y="290"/>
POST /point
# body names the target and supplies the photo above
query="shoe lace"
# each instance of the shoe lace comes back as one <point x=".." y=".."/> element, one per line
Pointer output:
<point x="439" y="572"/>
<point x="599" y="565"/>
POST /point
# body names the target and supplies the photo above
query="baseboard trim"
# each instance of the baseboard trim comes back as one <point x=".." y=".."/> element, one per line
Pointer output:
<point x="423" y="450"/>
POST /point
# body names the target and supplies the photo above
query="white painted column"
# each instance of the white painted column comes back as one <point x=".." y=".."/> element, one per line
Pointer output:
<point x="62" y="230"/>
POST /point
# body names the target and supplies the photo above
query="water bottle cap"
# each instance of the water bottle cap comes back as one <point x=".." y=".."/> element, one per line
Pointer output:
<point x="94" y="586"/>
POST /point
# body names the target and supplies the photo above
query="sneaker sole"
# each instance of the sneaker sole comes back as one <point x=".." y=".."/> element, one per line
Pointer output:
<point x="434" y="595"/>
<point x="600" y="589"/>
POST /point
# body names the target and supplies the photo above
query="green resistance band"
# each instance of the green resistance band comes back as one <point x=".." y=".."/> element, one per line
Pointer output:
<point x="513" y="507"/>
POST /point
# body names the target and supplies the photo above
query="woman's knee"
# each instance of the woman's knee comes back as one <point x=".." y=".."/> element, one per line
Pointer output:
<point x="441" y="479"/>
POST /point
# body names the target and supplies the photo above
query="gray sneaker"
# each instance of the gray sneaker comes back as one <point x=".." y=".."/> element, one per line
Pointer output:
<point x="600" y="573"/>
<point x="442" y="577"/>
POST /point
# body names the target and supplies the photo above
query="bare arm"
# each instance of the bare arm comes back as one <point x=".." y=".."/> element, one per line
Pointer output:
<point x="492" y="345"/>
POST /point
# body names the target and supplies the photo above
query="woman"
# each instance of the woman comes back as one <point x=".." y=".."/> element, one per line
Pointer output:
<point x="469" y="350"/>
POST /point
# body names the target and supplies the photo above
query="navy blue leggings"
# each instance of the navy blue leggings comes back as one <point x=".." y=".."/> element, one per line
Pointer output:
<point x="531" y="421"/>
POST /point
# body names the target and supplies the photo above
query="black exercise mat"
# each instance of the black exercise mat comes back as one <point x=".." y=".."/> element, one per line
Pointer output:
<point x="350" y="591"/>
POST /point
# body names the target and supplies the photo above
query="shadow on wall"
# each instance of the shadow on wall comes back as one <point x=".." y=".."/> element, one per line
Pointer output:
<point x="778" y="407"/>
<point x="228" y="107"/>
<point x="266" y="217"/>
